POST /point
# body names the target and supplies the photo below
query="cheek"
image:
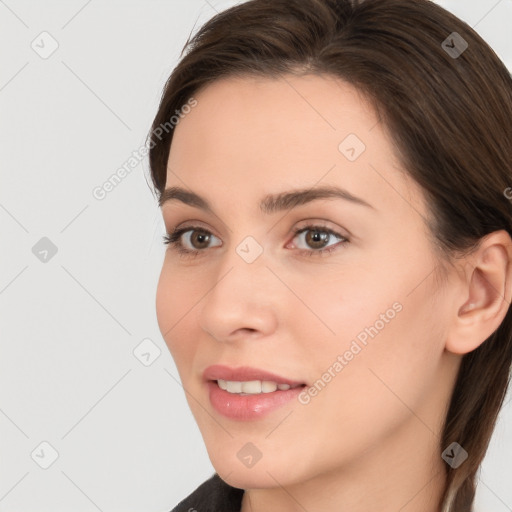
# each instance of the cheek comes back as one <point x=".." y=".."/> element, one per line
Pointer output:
<point x="386" y="340"/>
<point x="173" y="312"/>
<point x="164" y="303"/>
<point x="352" y="307"/>
<point x="395" y="370"/>
<point x="384" y="383"/>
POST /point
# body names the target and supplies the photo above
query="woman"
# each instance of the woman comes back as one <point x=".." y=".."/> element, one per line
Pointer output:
<point x="336" y="288"/>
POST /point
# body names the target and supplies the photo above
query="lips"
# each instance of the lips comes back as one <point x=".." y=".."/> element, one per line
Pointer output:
<point x="244" y="374"/>
<point x="223" y="385"/>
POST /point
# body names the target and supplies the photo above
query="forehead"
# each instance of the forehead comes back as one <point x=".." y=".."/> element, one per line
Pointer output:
<point x="262" y="135"/>
<point x="289" y="109"/>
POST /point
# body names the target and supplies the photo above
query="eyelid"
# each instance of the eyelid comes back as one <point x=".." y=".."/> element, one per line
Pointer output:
<point x="312" y="227"/>
<point x="175" y="243"/>
<point x="323" y="223"/>
<point x="194" y="223"/>
<point x="316" y="222"/>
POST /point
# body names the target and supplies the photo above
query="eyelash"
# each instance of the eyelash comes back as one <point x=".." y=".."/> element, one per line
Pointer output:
<point x="174" y="240"/>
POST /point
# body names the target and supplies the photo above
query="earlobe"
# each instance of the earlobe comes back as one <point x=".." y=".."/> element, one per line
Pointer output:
<point x="487" y="289"/>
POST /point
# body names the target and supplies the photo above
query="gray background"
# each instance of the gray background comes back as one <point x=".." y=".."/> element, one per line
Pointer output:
<point x="71" y="322"/>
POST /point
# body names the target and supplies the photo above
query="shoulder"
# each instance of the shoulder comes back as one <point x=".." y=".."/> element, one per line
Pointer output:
<point x="213" y="495"/>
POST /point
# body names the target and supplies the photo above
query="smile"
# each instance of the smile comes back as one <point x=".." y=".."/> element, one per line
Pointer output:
<point x="252" y="387"/>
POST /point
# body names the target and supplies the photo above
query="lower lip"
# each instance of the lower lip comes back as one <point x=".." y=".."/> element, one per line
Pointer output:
<point x="248" y="407"/>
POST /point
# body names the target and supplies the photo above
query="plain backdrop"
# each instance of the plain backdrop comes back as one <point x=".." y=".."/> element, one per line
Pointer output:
<point x="92" y="415"/>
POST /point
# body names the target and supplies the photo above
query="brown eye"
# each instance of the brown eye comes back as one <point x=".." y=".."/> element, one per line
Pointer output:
<point x="199" y="239"/>
<point x="316" y="239"/>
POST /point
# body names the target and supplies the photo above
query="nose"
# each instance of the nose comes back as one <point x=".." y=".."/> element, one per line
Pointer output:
<point x="243" y="301"/>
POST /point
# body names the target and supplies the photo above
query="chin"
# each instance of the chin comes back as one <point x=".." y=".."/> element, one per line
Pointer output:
<point x="252" y="478"/>
<point x="263" y="474"/>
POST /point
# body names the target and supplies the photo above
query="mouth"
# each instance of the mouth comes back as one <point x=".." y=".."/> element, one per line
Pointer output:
<point x="254" y="387"/>
<point x="248" y="380"/>
<point x="237" y="404"/>
<point x="249" y="394"/>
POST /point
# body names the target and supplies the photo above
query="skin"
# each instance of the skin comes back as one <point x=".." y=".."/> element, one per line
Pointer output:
<point x="370" y="439"/>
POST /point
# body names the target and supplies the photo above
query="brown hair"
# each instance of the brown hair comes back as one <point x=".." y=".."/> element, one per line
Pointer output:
<point x="449" y="116"/>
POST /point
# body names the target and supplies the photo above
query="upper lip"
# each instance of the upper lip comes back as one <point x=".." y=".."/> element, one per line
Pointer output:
<point x="244" y="374"/>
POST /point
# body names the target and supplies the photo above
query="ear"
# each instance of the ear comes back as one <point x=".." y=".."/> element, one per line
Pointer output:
<point x="485" y="293"/>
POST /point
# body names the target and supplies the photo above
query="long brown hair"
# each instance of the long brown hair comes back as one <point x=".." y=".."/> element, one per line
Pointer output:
<point x="446" y="100"/>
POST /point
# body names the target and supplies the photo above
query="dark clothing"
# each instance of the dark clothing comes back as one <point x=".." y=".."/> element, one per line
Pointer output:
<point x="213" y="495"/>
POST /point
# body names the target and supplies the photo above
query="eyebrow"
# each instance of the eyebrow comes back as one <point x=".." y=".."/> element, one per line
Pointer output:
<point x="271" y="203"/>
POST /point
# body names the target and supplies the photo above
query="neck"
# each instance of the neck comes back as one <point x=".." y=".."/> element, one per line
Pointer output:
<point x="405" y="474"/>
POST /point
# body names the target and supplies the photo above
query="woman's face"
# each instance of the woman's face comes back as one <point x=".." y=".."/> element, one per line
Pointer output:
<point x="360" y="324"/>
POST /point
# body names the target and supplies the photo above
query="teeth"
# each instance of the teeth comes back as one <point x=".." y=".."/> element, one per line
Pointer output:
<point x="268" y="387"/>
<point x="252" y="387"/>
